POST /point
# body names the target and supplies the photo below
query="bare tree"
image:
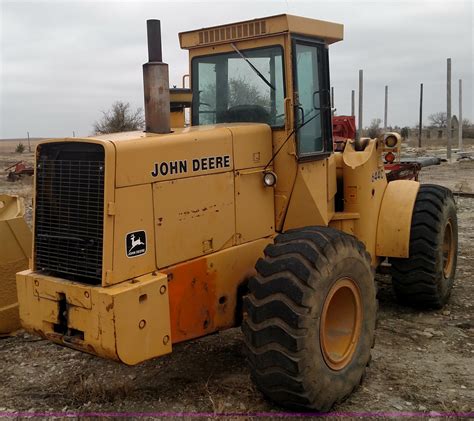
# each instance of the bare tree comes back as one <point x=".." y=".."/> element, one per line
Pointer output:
<point x="439" y="119"/>
<point x="120" y="118"/>
<point x="374" y="128"/>
<point x="405" y="132"/>
<point x="242" y="92"/>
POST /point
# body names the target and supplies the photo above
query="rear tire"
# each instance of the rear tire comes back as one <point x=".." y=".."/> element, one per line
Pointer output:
<point x="309" y="318"/>
<point x="426" y="277"/>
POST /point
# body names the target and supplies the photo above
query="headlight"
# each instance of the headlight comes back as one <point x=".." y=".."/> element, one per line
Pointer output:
<point x="391" y="141"/>
<point x="269" y="179"/>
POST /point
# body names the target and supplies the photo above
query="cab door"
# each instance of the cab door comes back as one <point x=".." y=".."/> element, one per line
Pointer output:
<point x="312" y="198"/>
<point x="312" y="99"/>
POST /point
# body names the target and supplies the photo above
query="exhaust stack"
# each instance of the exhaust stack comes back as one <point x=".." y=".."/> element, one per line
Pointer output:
<point x="156" y="83"/>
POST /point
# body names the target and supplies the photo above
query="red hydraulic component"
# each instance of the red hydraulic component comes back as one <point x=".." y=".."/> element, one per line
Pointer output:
<point x="343" y="128"/>
<point x="402" y="171"/>
<point x="20" y="169"/>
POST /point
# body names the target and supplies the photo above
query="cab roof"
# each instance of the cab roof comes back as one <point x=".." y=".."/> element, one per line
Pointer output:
<point x="256" y="28"/>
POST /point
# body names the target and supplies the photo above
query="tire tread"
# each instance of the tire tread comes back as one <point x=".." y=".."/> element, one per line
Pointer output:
<point x="416" y="280"/>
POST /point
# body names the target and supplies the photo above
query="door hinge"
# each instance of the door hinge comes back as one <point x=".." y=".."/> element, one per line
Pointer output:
<point x="111" y="208"/>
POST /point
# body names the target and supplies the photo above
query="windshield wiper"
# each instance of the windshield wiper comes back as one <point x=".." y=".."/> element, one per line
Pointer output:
<point x="252" y="66"/>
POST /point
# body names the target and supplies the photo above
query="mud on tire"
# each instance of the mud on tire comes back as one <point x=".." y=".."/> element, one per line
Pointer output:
<point x="425" y="278"/>
<point x="312" y="284"/>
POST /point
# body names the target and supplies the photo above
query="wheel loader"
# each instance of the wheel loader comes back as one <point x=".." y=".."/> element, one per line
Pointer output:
<point x="246" y="217"/>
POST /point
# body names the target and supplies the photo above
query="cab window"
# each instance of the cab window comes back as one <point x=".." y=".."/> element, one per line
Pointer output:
<point x="312" y="108"/>
<point x="241" y="86"/>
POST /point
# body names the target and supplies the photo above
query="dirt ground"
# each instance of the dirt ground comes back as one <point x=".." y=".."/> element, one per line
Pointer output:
<point x="422" y="361"/>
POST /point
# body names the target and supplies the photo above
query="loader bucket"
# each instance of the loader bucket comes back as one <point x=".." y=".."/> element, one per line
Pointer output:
<point x="15" y="250"/>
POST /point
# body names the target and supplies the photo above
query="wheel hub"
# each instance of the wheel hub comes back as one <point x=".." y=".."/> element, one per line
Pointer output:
<point x="448" y="249"/>
<point x="341" y="323"/>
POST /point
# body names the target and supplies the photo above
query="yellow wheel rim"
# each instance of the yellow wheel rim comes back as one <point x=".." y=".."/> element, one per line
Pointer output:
<point x="448" y="249"/>
<point x="341" y="323"/>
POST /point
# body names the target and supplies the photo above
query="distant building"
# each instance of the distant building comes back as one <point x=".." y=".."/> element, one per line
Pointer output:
<point x="436" y="132"/>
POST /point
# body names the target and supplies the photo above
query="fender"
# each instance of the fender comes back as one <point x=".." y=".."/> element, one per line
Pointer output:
<point x="394" y="223"/>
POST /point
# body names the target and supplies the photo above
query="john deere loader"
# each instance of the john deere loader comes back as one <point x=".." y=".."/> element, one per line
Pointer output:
<point x="248" y="217"/>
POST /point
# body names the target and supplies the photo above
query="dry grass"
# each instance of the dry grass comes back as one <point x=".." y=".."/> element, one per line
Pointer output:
<point x="93" y="389"/>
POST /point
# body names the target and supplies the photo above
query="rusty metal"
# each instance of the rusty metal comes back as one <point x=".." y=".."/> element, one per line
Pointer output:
<point x="156" y="83"/>
<point x="20" y="169"/>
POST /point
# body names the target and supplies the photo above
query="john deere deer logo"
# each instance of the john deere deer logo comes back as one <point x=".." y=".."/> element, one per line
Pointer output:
<point x="135" y="243"/>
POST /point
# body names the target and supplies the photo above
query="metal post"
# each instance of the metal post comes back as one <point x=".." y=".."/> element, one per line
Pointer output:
<point x="361" y="91"/>
<point x="420" y="124"/>
<point x="386" y="108"/>
<point x="460" y="116"/>
<point x="448" y="113"/>
<point x="29" y="144"/>
<point x="353" y="103"/>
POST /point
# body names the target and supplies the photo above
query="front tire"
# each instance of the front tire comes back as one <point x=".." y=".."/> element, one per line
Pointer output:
<point x="425" y="279"/>
<point x="309" y="318"/>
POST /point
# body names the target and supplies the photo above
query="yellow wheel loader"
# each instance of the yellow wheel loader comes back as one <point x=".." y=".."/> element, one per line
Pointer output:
<point x="248" y="217"/>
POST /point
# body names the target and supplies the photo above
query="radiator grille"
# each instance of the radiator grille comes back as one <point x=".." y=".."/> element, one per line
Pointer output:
<point x="69" y="210"/>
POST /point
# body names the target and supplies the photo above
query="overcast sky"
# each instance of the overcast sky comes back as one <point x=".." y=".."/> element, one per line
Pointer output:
<point x="62" y="62"/>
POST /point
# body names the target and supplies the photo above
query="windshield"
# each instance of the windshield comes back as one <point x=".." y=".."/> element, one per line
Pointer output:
<point x="227" y="88"/>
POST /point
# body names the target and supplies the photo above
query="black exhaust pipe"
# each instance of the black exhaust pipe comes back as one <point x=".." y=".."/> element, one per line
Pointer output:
<point x="156" y="83"/>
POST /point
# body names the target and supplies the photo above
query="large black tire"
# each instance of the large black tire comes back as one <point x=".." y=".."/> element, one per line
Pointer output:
<point x="425" y="278"/>
<point x="312" y="283"/>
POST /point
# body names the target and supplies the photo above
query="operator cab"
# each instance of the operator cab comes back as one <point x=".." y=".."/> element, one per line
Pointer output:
<point x="272" y="70"/>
